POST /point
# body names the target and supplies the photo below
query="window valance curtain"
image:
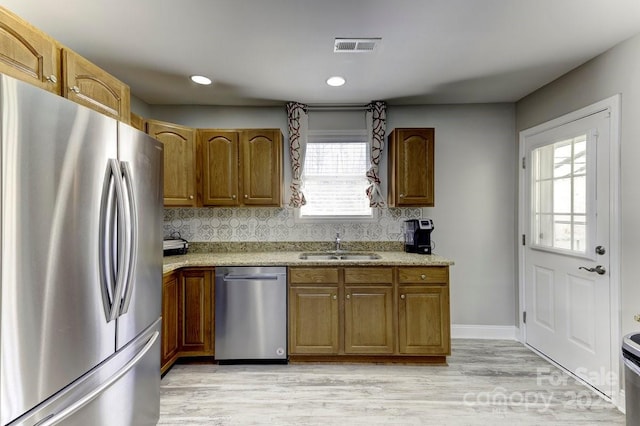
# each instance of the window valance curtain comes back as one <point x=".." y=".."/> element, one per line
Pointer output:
<point x="298" y="118"/>
<point x="376" y="115"/>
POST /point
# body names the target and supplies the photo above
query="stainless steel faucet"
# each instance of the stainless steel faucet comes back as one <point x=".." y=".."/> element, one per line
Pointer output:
<point x="338" y="241"/>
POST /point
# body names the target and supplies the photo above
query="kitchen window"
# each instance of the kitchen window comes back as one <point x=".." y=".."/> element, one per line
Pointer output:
<point x="334" y="177"/>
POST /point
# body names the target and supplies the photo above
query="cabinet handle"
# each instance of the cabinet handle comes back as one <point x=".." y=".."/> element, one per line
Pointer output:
<point x="246" y="196"/>
<point x="423" y="276"/>
<point x="75" y="89"/>
<point x="233" y="197"/>
<point x="401" y="195"/>
<point x="335" y="297"/>
<point x="52" y="79"/>
<point x="348" y="296"/>
<point x="191" y="197"/>
<point x="402" y="296"/>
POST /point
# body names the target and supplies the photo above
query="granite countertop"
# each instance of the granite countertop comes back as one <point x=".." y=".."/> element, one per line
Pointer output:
<point x="291" y="258"/>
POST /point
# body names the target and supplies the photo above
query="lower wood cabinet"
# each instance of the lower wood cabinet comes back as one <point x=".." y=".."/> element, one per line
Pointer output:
<point x="423" y="311"/>
<point x="196" y="312"/>
<point x="170" y="332"/>
<point x="360" y="312"/>
<point x="368" y="310"/>
<point x="313" y="319"/>
<point x="187" y="315"/>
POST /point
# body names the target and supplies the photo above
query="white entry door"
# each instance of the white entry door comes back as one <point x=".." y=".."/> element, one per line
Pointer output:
<point x="566" y="253"/>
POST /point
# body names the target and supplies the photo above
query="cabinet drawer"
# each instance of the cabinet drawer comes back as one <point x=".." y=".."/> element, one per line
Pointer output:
<point x="313" y="275"/>
<point x="429" y="275"/>
<point x="366" y="275"/>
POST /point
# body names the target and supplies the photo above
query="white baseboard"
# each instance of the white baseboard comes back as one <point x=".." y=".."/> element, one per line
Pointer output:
<point x="499" y="332"/>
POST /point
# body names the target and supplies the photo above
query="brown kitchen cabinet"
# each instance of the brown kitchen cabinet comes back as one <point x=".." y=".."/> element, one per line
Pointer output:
<point x="423" y="311"/>
<point x="196" y="312"/>
<point x="313" y="311"/>
<point x="241" y="167"/>
<point x="179" y="162"/>
<point x="28" y="54"/>
<point x="87" y="84"/>
<point x="137" y="122"/>
<point x="187" y="315"/>
<point x="170" y="325"/>
<point x="368" y="311"/>
<point x="313" y="320"/>
<point x="411" y="167"/>
<point x="336" y="311"/>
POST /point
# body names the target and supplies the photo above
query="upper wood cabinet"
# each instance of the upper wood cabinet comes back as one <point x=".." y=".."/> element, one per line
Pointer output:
<point x="137" y="122"/>
<point x="411" y="167"/>
<point x="28" y="54"/>
<point x="241" y="167"/>
<point x="87" y="84"/>
<point x="179" y="162"/>
<point x="220" y="153"/>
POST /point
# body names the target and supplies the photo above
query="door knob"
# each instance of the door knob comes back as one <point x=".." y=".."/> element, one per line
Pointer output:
<point x="598" y="269"/>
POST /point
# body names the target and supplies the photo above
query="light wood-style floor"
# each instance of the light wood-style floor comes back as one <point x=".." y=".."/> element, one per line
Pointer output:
<point x="487" y="382"/>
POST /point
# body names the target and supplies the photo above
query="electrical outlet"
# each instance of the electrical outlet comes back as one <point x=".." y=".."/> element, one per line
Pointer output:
<point x="636" y="317"/>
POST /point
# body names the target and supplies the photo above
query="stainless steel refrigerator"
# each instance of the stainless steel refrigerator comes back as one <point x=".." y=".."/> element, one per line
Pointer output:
<point x="80" y="264"/>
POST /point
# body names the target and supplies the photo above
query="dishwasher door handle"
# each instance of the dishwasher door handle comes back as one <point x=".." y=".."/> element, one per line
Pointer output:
<point x="252" y="277"/>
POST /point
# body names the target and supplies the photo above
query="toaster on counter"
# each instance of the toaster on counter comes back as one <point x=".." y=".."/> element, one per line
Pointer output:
<point x="174" y="245"/>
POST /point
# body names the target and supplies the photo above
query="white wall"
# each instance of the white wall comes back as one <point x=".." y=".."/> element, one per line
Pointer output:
<point x="475" y="197"/>
<point x="474" y="213"/>
<point x="615" y="71"/>
<point x="138" y="106"/>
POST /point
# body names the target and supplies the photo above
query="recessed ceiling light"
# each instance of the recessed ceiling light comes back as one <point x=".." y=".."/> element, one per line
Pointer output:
<point x="335" y="81"/>
<point x="200" y="79"/>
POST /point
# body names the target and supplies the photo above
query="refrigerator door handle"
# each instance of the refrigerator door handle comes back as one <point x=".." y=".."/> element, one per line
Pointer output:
<point x="86" y="399"/>
<point x="123" y="238"/>
<point x="105" y="238"/>
<point x="133" y="240"/>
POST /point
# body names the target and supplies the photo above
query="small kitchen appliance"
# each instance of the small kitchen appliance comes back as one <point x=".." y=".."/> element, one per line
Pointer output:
<point x="417" y="235"/>
<point x="174" y="245"/>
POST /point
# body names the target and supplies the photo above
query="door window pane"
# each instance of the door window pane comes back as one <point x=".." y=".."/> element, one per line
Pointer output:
<point x="559" y="195"/>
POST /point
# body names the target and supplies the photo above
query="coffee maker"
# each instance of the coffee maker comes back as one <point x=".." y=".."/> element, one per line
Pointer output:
<point x="417" y="235"/>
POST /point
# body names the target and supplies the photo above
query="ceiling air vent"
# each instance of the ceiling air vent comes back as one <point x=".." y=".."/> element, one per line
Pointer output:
<point x="355" y="45"/>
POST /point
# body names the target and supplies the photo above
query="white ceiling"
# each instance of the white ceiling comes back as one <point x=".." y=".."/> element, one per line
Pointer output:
<point x="266" y="52"/>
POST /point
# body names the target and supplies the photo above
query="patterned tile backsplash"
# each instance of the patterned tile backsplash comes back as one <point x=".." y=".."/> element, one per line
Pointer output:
<point x="279" y="224"/>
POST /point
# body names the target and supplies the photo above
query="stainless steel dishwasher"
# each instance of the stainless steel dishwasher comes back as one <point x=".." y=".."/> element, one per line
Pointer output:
<point x="251" y="313"/>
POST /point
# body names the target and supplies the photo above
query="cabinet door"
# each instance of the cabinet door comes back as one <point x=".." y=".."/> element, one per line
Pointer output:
<point x="28" y="54"/>
<point x="423" y="320"/>
<point x="368" y="320"/>
<point x="313" y="320"/>
<point x="196" y="312"/>
<point x="170" y="333"/>
<point x="179" y="162"/>
<point x="220" y="150"/>
<point x="85" y="83"/>
<point x="261" y="153"/>
<point x="411" y="167"/>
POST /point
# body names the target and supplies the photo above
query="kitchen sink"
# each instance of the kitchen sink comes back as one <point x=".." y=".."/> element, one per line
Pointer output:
<point x="339" y="256"/>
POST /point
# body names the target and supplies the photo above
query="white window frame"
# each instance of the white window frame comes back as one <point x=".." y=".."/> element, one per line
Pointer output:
<point x="328" y="136"/>
<point x="590" y="218"/>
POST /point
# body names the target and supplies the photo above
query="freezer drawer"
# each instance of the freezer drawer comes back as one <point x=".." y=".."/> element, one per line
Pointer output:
<point x="124" y="390"/>
<point x="251" y="313"/>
